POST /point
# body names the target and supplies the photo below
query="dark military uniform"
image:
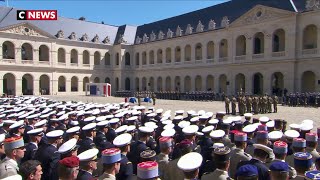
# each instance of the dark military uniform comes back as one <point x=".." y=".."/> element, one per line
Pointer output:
<point x="262" y="169"/>
<point x="134" y="155"/>
<point x="84" y="175"/>
<point x="111" y="134"/>
<point x="49" y="158"/>
<point x="126" y="169"/>
<point x="85" y="144"/>
<point x="31" y="149"/>
<point x="101" y="141"/>
<point x="227" y="105"/>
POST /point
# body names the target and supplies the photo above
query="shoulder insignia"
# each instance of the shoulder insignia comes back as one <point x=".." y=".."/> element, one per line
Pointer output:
<point x="129" y="162"/>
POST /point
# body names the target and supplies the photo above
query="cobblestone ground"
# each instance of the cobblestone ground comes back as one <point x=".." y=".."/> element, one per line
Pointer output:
<point x="291" y="114"/>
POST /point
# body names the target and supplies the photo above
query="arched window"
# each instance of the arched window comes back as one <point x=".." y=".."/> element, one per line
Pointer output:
<point x="127" y="59"/>
<point x="107" y="59"/>
<point x="8" y="50"/>
<point x="310" y="37"/>
<point x="198" y="51"/>
<point x="278" y="41"/>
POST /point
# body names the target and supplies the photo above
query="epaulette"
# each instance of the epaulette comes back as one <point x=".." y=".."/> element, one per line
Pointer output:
<point x="129" y="162"/>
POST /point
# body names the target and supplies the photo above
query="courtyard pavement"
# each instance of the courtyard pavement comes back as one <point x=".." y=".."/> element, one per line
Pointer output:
<point x="291" y="114"/>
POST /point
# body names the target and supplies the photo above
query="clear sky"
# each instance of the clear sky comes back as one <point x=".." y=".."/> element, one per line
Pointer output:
<point x="116" y="12"/>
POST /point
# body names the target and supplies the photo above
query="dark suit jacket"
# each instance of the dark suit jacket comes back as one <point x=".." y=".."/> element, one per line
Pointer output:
<point x="126" y="169"/>
<point x="84" y="175"/>
<point x="49" y="158"/>
<point x="85" y="144"/>
<point x="30" y="152"/>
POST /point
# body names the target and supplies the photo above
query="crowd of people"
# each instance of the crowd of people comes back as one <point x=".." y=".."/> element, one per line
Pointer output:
<point x="310" y="99"/>
<point x="251" y="104"/>
<point x="46" y="139"/>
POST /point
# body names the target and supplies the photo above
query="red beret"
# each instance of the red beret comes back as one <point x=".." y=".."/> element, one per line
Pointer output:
<point x="71" y="162"/>
<point x="185" y="143"/>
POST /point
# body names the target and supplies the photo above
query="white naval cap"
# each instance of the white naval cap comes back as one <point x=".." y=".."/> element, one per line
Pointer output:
<point x="249" y="128"/>
<point x="2" y="137"/>
<point x="133" y="118"/>
<point x="217" y="134"/>
<point x="168" y="133"/>
<point x="114" y="120"/>
<point x="121" y="129"/>
<point x="274" y="135"/>
<point x="194" y="119"/>
<point x="74" y="123"/>
<point x="168" y="126"/>
<point x="38" y="131"/>
<point x="158" y="111"/>
<point x="213" y="121"/>
<point x="90" y="126"/>
<point x="41" y="123"/>
<point x="264" y="119"/>
<point x="190" y="162"/>
<point x="89" y="119"/>
<point x="184" y="124"/>
<point x="270" y="124"/>
<point x="190" y="130"/>
<point x="101" y="118"/>
<point x="207" y="129"/>
<point x="88" y="155"/>
<point x="151" y="125"/>
<point x="291" y="133"/>
<point x="216" y="145"/>
<point x="264" y="148"/>
<point x="122" y="140"/>
<point x="17" y="124"/>
<point x="68" y="146"/>
<point x="165" y="122"/>
<point x="306" y="126"/>
<point x="131" y="128"/>
<point x="75" y="129"/>
<point x="307" y="121"/>
<point x="54" y="134"/>
<point x="179" y="112"/>
<point x="248" y="114"/>
<point x="104" y="123"/>
<point x="145" y="129"/>
<point x="13" y="177"/>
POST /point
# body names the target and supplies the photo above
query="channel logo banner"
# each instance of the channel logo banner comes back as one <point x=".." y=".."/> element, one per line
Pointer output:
<point x="37" y="15"/>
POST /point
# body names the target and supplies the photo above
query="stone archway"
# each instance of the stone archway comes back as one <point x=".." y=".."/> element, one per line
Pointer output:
<point x="9" y="84"/>
<point x="62" y="84"/>
<point x="257" y="83"/>
<point x="74" y="84"/>
<point x="27" y="84"/>
<point x="44" y="85"/>
<point x="127" y="84"/>
<point x="144" y="84"/>
<point x="159" y="84"/>
<point x="223" y="83"/>
<point x="85" y="81"/>
<point x="187" y="84"/>
<point x="198" y="83"/>
<point x="168" y="83"/>
<point x="240" y="83"/>
<point x="96" y="80"/>
<point x="277" y="83"/>
<point x="137" y="84"/>
<point x="308" y="82"/>
<point x="210" y="83"/>
<point x="151" y="84"/>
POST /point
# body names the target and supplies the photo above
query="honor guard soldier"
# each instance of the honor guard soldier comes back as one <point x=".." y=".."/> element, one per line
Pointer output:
<point x="90" y="133"/>
<point x="42" y="124"/>
<point x="68" y="168"/>
<point x="111" y="163"/>
<point x="298" y="145"/>
<point x="247" y="172"/>
<point x="190" y="164"/>
<point x="14" y="148"/>
<point x="69" y="148"/>
<point x="114" y="124"/>
<point x="237" y="155"/>
<point x="17" y="129"/>
<point x="302" y="164"/>
<point x="233" y="105"/>
<point x="260" y="156"/>
<point x="312" y="143"/>
<point x="279" y="170"/>
<point x="280" y="150"/>
<point x="49" y="156"/>
<point x="221" y="159"/>
<point x="88" y="164"/>
<point x="100" y="140"/>
<point x="73" y="132"/>
<point x="148" y="170"/>
<point x="275" y="103"/>
<point x="227" y="105"/>
<point x="165" y="144"/>
<point x="32" y="146"/>
<point x="123" y="142"/>
<point x="310" y="175"/>
<point x="31" y="121"/>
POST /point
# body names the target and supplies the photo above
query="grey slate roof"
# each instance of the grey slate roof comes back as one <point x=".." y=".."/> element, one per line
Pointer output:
<point x="68" y="25"/>
<point x="232" y="9"/>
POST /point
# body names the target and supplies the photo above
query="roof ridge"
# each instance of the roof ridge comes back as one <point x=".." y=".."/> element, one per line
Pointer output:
<point x="6" y="15"/>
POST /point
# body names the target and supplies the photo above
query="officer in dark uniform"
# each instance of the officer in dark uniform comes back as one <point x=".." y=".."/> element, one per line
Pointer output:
<point x="90" y="133"/>
<point x="100" y="140"/>
<point x="88" y="164"/>
<point x="32" y="146"/>
<point x="49" y="156"/>
<point x="31" y="121"/>
<point x="123" y="143"/>
<point x="139" y="146"/>
<point x="111" y="134"/>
